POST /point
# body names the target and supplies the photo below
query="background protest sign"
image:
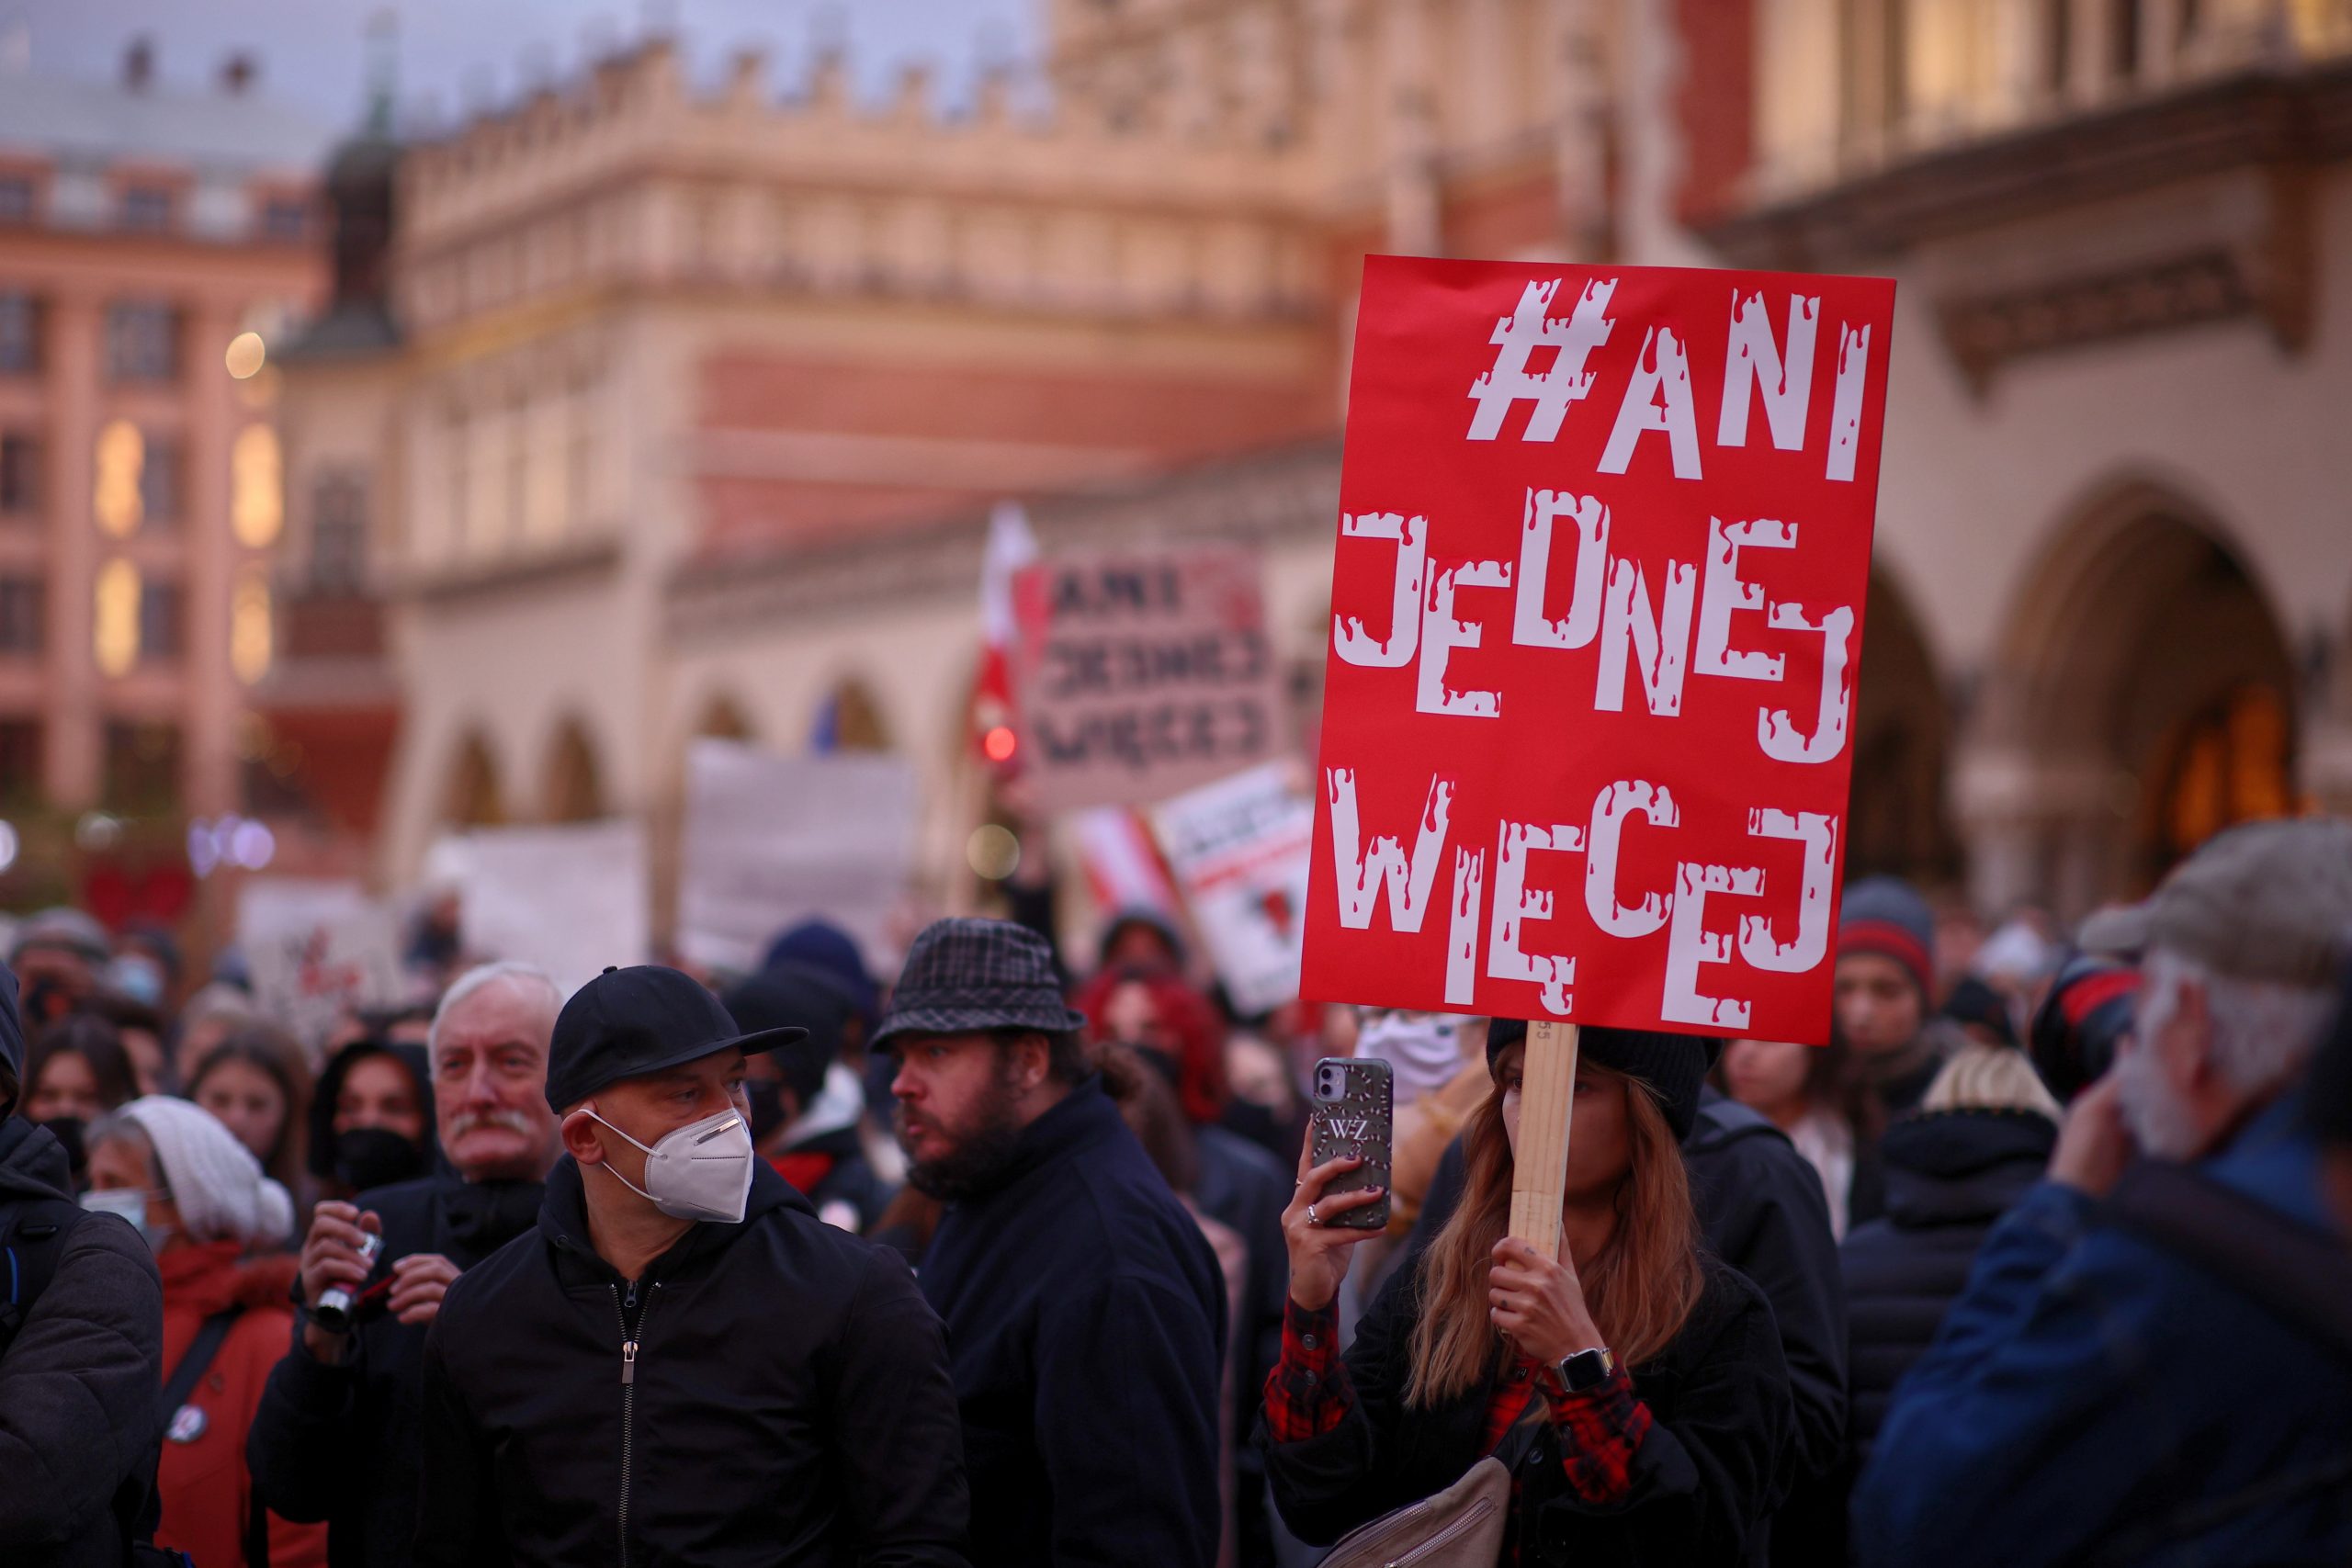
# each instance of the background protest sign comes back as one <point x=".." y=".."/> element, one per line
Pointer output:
<point x="1138" y="674"/>
<point x="571" y="899"/>
<point x="316" y="949"/>
<point x="772" y="840"/>
<point x="1596" y="608"/>
<point x="1239" y="850"/>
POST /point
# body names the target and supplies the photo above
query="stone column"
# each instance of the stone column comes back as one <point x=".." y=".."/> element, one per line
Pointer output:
<point x="213" y="698"/>
<point x="70" y="719"/>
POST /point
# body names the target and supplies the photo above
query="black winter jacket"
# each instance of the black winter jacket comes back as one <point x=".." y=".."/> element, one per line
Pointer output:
<point x="339" y="1443"/>
<point x="1711" y="1469"/>
<point x="1087" y="1317"/>
<point x="79" y="1384"/>
<point x="1760" y="1210"/>
<point x="1950" y="1174"/>
<point x="787" y="1402"/>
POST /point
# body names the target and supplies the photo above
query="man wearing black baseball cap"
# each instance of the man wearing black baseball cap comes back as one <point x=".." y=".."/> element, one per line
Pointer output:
<point x="682" y="1363"/>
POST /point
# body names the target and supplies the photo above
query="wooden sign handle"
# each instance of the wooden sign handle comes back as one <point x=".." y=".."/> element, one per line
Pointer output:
<point x="1539" y="1176"/>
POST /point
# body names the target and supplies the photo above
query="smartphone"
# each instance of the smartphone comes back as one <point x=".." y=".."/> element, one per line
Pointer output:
<point x="1354" y="1116"/>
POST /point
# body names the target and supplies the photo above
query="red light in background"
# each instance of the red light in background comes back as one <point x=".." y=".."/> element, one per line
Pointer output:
<point x="999" y="744"/>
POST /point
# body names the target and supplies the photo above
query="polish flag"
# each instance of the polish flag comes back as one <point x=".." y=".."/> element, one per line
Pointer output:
<point x="1010" y="545"/>
<point x="1122" y="867"/>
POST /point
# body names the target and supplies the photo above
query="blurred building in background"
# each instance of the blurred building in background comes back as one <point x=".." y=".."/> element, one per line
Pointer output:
<point x="154" y="243"/>
<point x="2113" y="523"/>
<point x="697" y="398"/>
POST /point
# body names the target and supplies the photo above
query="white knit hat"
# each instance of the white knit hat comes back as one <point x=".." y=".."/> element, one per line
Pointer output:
<point x="215" y="1183"/>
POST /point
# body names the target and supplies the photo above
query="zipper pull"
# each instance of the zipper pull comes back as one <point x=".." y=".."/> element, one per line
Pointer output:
<point x="629" y="1362"/>
<point x="632" y="1295"/>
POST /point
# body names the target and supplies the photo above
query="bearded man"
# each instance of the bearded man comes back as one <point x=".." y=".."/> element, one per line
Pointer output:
<point x="1084" y="1310"/>
<point x="2153" y="1361"/>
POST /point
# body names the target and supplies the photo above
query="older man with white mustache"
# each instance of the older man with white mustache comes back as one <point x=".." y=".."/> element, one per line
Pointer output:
<point x="335" y="1438"/>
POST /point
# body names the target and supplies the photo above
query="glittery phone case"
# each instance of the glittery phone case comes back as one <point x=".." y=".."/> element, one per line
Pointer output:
<point x="1359" y="1120"/>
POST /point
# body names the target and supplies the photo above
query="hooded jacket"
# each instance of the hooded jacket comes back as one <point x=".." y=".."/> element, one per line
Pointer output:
<point x="327" y="1094"/>
<point x="1949" y="1176"/>
<point x="1087" y="1316"/>
<point x="339" y="1443"/>
<point x="202" y="1481"/>
<point x="78" y="1383"/>
<point x="787" y="1402"/>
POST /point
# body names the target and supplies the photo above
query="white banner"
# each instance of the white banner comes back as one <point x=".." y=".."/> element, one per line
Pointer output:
<point x="772" y="840"/>
<point x="570" y="899"/>
<point x="315" y="949"/>
<point x="1239" y="850"/>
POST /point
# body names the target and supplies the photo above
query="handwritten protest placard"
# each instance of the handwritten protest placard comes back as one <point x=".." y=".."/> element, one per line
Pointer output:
<point x="316" y="950"/>
<point x="771" y="841"/>
<point x="1597" y="607"/>
<point x="1139" y="674"/>
<point x="1239" y="849"/>
<point x="571" y="899"/>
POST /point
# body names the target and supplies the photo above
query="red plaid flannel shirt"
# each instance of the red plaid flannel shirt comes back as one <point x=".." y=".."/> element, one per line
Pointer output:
<point x="1600" y="1428"/>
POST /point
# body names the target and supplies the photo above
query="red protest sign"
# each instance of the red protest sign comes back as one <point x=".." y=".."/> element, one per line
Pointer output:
<point x="1597" y="610"/>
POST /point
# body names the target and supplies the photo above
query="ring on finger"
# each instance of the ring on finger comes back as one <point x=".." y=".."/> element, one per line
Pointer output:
<point x="1310" y="1215"/>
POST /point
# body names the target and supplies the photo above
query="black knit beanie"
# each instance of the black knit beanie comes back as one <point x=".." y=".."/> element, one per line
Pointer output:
<point x="1673" y="1066"/>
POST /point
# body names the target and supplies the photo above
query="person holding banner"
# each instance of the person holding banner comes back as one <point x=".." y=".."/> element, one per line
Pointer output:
<point x="1639" y="1384"/>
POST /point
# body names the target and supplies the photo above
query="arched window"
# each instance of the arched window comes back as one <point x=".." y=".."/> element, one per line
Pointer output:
<point x="474" y="799"/>
<point x="723" y="719"/>
<point x="850" y="720"/>
<point x="574" y="783"/>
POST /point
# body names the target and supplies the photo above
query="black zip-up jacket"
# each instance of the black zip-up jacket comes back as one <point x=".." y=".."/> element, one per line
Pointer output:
<point x="1950" y="1174"/>
<point x="339" y="1443"/>
<point x="782" y="1397"/>
<point x="1087" y="1314"/>
<point x="79" y="1414"/>
<point x="1711" y="1468"/>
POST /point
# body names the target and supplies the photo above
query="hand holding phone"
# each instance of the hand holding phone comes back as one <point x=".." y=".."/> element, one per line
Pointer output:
<point x="1354" y="1119"/>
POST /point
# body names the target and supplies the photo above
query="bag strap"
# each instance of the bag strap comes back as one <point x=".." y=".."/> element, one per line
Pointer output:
<point x="196" y="1359"/>
<point x="1534" y="1421"/>
<point x="2297" y="1272"/>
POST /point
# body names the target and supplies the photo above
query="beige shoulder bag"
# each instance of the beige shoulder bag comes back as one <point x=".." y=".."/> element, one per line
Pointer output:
<point x="1462" y="1527"/>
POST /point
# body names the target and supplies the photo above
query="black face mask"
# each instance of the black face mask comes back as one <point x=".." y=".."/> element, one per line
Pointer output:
<point x="765" y="1097"/>
<point x="68" y="1130"/>
<point x="367" y="1157"/>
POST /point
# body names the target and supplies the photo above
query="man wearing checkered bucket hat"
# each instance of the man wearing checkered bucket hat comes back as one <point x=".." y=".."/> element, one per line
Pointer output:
<point x="1085" y="1313"/>
<point x="2153" y="1358"/>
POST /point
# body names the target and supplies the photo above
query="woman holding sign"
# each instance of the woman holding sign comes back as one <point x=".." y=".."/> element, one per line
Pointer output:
<point x="1634" y="1390"/>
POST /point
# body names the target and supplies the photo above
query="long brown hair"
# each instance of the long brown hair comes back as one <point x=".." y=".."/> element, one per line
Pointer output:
<point x="1641" y="1289"/>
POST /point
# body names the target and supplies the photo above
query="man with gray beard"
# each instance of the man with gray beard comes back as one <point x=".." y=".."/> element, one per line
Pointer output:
<point x="335" y="1435"/>
<point x="2150" y="1360"/>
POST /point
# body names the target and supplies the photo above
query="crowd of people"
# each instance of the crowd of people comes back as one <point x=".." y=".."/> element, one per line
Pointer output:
<point x="2042" y="1259"/>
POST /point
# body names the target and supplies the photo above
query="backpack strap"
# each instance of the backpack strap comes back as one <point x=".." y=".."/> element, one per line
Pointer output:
<point x="30" y="1247"/>
<point x="196" y="1359"/>
<point x="2299" y="1273"/>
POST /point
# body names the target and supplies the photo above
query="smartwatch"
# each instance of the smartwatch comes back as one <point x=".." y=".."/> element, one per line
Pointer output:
<point x="1585" y="1370"/>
